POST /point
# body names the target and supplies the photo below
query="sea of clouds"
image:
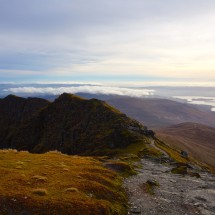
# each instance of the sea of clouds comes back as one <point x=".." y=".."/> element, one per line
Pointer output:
<point x="179" y="93"/>
<point x="92" y="89"/>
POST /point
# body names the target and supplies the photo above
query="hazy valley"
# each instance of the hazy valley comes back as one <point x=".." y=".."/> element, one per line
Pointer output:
<point x="157" y="113"/>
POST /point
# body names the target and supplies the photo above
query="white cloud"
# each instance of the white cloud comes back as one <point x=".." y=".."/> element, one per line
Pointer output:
<point x="83" y="89"/>
<point x="199" y="100"/>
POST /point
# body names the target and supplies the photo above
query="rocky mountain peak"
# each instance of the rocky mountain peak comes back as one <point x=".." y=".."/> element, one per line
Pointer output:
<point x="13" y="99"/>
<point x="69" y="97"/>
<point x="70" y="124"/>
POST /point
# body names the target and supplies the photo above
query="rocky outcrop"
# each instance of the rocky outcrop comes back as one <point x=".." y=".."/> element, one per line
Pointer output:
<point x="70" y="124"/>
<point x="184" y="154"/>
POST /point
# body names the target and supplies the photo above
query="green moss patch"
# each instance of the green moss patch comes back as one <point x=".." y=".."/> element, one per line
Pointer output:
<point x="124" y="168"/>
<point x="182" y="170"/>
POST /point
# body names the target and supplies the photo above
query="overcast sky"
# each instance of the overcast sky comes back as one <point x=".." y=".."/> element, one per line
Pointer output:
<point x="114" y="41"/>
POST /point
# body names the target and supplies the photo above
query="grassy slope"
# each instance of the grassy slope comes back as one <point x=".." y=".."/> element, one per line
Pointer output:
<point x="198" y="140"/>
<point x="174" y="153"/>
<point x="54" y="183"/>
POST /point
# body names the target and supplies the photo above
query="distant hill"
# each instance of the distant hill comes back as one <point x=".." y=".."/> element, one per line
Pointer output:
<point x="157" y="113"/>
<point x="69" y="124"/>
<point x="198" y="140"/>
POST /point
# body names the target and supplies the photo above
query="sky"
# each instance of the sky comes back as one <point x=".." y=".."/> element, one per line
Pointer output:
<point x="116" y="41"/>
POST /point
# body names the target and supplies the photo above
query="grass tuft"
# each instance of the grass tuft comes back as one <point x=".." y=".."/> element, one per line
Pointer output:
<point x="20" y="163"/>
<point x="71" y="189"/>
<point x="182" y="170"/>
<point x="40" y="192"/>
<point x="18" y="167"/>
<point x="124" y="168"/>
<point x="40" y="178"/>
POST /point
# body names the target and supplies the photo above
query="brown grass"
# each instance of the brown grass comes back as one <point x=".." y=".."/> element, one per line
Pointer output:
<point x="196" y="139"/>
<point x="123" y="168"/>
<point x="173" y="153"/>
<point x="54" y="183"/>
<point x="71" y="189"/>
<point x="39" y="178"/>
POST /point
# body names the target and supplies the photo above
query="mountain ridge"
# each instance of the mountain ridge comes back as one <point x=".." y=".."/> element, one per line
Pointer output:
<point x="70" y="124"/>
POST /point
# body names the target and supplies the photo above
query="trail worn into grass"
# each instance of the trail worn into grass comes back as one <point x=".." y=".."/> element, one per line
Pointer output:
<point x="159" y="149"/>
<point x="175" y="195"/>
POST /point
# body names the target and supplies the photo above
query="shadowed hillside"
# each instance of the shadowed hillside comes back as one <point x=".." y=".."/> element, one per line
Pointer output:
<point x="70" y="124"/>
<point x="198" y="140"/>
<point x="15" y="111"/>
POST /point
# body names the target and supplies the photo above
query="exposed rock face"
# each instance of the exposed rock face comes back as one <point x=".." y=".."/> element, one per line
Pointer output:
<point x="69" y="124"/>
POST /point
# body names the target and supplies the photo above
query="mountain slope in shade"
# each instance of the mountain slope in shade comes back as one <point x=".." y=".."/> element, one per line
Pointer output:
<point x="71" y="125"/>
<point x="198" y="140"/>
<point x="157" y="113"/>
<point x="15" y="111"/>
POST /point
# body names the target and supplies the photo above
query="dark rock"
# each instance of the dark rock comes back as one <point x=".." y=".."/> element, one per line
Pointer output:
<point x="184" y="154"/>
<point x="194" y="174"/>
<point x="152" y="182"/>
<point x="135" y="210"/>
<point x="201" y="198"/>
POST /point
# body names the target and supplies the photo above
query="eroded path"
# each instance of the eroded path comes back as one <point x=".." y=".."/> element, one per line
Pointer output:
<point x="162" y="151"/>
<point x="175" y="195"/>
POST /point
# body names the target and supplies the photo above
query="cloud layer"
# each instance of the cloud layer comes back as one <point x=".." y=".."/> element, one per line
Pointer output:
<point x="82" y="89"/>
<point x="199" y="100"/>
